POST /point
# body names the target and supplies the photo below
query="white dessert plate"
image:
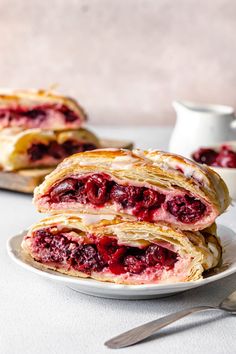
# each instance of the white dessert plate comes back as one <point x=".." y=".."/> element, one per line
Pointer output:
<point x="130" y="292"/>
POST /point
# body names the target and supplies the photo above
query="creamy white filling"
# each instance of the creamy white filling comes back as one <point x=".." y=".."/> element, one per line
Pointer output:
<point x="89" y="219"/>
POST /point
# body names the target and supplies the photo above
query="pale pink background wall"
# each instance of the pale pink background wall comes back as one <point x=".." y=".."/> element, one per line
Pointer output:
<point x="125" y="60"/>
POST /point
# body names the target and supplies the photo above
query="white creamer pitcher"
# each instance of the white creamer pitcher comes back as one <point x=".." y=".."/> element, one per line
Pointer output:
<point x="199" y="125"/>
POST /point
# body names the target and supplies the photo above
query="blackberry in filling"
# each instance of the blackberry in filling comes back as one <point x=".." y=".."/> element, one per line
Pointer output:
<point x="102" y="253"/>
<point x="144" y="203"/>
<point x="57" y="151"/>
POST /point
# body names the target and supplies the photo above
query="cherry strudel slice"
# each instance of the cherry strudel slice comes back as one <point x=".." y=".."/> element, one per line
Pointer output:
<point x="39" y="109"/>
<point x="38" y="148"/>
<point x="125" y="252"/>
<point x="148" y="186"/>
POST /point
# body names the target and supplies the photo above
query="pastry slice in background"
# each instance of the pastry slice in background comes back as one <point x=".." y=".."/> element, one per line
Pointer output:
<point x="39" y="109"/>
<point x="38" y="148"/>
<point x="148" y="186"/>
<point x="121" y="251"/>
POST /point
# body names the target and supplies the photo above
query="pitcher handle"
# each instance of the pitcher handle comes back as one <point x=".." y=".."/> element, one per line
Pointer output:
<point x="233" y="123"/>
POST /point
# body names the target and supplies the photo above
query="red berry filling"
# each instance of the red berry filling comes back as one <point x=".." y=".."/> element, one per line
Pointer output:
<point x="36" y="115"/>
<point x="204" y="155"/>
<point x="144" y="203"/>
<point x="225" y="157"/>
<point x="102" y="253"/>
<point x="186" y="209"/>
<point x="57" y="151"/>
<point x="96" y="189"/>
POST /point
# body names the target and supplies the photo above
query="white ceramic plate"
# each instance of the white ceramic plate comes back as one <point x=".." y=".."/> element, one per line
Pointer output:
<point x="131" y="292"/>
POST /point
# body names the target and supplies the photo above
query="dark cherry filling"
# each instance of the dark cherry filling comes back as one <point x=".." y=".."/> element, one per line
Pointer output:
<point x="58" y="151"/>
<point x="101" y="253"/>
<point x="98" y="189"/>
<point x="39" y="113"/>
<point x="186" y="209"/>
<point x="225" y="157"/>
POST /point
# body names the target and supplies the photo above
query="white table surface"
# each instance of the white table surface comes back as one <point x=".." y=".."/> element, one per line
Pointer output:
<point x="41" y="317"/>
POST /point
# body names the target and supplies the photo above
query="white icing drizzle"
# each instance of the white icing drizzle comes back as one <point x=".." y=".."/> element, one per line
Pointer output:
<point x="123" y="162"/>
<point x="109" y="149"/>
<point x="190" y="170"/>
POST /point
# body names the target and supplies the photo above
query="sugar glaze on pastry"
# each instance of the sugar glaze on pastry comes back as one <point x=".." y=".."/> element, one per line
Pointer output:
<point x="121" y="251"/>
<point x="151" y="186"/>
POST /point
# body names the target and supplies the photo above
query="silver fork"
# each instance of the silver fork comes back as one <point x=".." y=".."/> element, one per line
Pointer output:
<point x="146" y="330"/>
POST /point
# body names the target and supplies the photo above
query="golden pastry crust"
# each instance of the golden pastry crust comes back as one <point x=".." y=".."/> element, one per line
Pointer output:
<point x="153" y="169"/>
<point x="197" y="251"/>
<point x="15" y="143"/>
<point x="31" y="98"/>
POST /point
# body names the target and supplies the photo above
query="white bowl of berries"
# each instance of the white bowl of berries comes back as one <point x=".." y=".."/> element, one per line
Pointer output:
<point x="222" y="158"/>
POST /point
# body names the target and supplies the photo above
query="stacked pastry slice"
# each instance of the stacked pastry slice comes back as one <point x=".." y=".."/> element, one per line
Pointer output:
<point x="39" y="129"/>
<point x="129" y="217"/>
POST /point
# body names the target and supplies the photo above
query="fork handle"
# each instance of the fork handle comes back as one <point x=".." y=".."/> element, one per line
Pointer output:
<point x="144" y="331"/>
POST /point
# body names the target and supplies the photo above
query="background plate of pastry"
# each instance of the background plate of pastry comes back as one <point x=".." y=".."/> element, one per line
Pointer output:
<point x="25" y="180"/>
<point x="38" y="129"/>
<point x="131" y="292"/>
